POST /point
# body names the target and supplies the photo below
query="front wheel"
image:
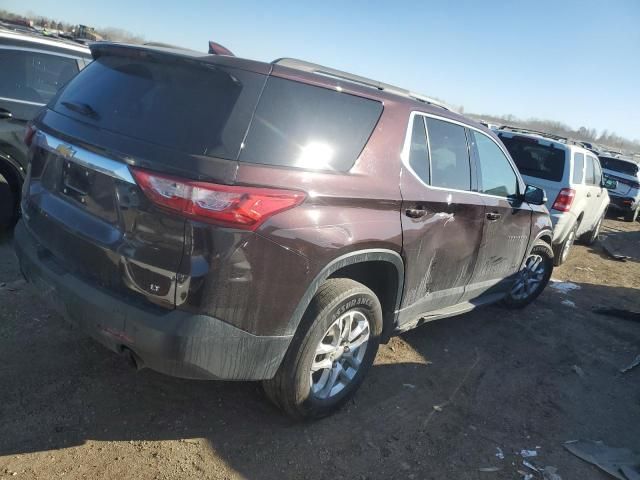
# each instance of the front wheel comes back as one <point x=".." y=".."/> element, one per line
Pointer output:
<point x="333" y="349"/>
<point x="532" y="278"/>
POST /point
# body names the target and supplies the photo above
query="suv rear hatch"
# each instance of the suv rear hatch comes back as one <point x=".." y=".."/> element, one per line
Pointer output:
<point x="624" y="172"/>
<point x="169" y="111"/>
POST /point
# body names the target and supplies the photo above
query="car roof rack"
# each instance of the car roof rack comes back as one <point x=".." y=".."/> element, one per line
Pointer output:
<point x="367" y="82"/>
<point x="550" y="136"/>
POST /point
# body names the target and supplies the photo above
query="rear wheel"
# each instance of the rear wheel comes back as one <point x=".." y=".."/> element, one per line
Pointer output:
<point x="632" y="216"/>
<point x="591" y="236"/>
<point x="561" y="251"/>
<point x="532" y="278"/>
<point x="332" y="351"/>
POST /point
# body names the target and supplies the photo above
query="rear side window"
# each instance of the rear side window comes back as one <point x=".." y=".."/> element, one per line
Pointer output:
<point x="300" y="125"/>
<point x="619" y="166"/>
<point x="449" y="155"/>
<point x="419" y="151"/>
<point x="34" y="77"/>
<point x="496" y="174"/>
<point x="536" y="159"/>
<point x="578" y="168"/>
<point x="192" y="108"/>
<point x="590" y="173"/>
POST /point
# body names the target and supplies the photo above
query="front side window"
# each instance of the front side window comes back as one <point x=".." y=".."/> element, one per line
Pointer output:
<point x="597" y="172"/>
<point x="32" y="76"/>
<point x="418" y="151"/>
<point x="450" y="166"/>
<point x="497" y="176"/>
<point x="578" y="168"/>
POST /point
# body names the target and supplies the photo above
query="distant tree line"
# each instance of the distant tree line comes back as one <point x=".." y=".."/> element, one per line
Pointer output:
<point x="584" y="134"/>
<point x="108" y="33"/>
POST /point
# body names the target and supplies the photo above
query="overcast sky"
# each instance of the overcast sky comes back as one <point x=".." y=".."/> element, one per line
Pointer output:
<point x="573" y="61"/>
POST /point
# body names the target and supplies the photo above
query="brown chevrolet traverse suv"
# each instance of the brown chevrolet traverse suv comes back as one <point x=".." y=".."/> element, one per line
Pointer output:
<point x="213" y="217"/>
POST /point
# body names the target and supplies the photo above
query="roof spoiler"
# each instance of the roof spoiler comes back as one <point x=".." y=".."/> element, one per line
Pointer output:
<point x="217" y="49"/>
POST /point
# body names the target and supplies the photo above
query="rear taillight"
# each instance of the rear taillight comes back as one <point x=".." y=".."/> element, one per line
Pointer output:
<point x="29" y="132"/>
<point x="232" y="206"/>
<point x="564" y="200"/>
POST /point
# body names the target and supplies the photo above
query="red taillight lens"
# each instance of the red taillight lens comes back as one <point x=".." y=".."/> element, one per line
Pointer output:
<point x="232" y="206"/>
<point x="564" y="200"/>
<point x="29" y="132"/>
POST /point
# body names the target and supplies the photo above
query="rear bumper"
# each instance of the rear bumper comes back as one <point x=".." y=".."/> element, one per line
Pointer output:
<point x="626" y="204"/>
<point x="562" y="223"/>
<point x="174" y="342"/>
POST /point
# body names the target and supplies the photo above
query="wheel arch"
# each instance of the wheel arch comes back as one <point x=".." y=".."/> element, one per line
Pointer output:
<point x="381" y="270"/>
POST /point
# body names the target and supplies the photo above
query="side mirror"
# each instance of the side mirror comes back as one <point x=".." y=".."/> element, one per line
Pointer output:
<point x="535" y="195"/>
<point x="609" y="183"/>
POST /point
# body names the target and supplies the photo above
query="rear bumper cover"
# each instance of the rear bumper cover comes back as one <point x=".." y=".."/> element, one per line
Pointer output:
<point x="627" y="204"/>
<point x="173" y="342"/>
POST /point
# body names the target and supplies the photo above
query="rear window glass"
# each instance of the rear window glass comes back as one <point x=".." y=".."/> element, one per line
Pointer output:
<point x="535" y="159"/>
<point x="195" y="109"/>
<point x="303" y="126"/>
<point x="619" y="166"/>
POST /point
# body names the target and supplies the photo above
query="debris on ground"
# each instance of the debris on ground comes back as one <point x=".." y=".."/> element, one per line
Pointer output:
<point x="563" y="287"/>
<point x="578" y="370"/>
<point x="568" y="303"/>
<point x="618" y="312"/>
<point x="437" y="408"/>
<point x="633" y="364"/>
<point x="613" y="253"/>
<point x="529" y="453"/>
<point x="550" y="473"/>
<point x="500" y="453"/>
<point x="529" y="465"/>
<point x="621" y="463"/>
<point x="408" y="385"/>
<point x="489" y="469"/>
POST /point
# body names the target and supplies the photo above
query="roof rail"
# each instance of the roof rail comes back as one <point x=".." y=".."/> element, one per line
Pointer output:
<point x="350" y="77"/>
<point x="551" y="136"/>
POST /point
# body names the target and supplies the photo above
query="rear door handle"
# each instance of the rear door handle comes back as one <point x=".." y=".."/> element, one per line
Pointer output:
<point x="415" y="212"/>
<point x="493" y="216"/>
<point x="589" y="195"/>
<point x="4" y="113"/>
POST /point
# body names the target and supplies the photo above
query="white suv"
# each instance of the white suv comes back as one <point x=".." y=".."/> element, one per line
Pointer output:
<point x="625" y="197"/>
<point x="572" y="178"/>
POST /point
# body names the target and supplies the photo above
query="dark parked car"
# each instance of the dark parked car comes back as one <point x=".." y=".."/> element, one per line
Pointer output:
<point x="33" y="68"/>
<point x="219" y="218"/>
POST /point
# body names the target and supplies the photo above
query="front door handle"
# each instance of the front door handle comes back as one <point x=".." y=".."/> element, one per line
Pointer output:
<point x="493" y="216"/>
<point x="415" y="212"/>
<point x="589" y="195"/>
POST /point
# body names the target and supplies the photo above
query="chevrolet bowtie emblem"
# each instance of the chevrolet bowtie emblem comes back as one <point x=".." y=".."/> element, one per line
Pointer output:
<point x="65" y="150"/>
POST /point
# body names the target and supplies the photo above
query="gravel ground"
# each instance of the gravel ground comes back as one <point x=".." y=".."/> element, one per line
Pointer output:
<point x="438" y="404"/>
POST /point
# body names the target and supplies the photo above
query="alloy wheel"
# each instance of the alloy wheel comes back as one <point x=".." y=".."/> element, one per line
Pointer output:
<point x="339" y="354"/>
<point x="530" y="277"/>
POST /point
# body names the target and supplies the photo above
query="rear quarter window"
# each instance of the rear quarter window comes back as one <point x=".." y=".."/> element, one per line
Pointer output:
<point x="300" y="125"/>
<point x="536" y="159"/>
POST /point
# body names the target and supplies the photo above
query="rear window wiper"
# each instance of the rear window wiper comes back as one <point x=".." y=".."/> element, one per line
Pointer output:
<point x="82" y="108"/>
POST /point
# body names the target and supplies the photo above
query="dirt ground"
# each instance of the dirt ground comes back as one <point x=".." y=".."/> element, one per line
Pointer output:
<point x="513" y="380"/>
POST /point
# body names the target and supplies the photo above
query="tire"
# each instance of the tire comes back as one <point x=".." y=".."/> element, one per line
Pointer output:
<point x="301" y="393"/>
<point x="544" y="252"/>
<point x="591" y="236"/>
<point x="561" y="251"/>
<point x="9" y="201"/>
<point x="632" y="216"/>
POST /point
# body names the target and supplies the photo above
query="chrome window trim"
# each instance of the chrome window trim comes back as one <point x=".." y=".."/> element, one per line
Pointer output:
<point x="25" y="102"/>
<point x="84" y="157"/>
<point x="404" y="155"/>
